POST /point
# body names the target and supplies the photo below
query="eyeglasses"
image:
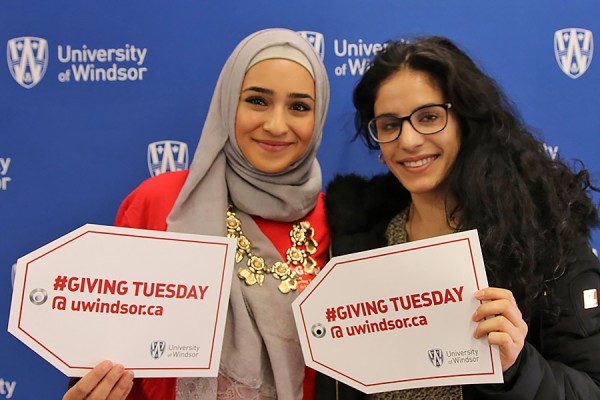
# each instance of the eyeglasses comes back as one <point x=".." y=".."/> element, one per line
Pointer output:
<point x="426" y="120"/>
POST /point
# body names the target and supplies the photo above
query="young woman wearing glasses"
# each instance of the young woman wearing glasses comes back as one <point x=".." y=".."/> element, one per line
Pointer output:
<point x="460" y="158"/>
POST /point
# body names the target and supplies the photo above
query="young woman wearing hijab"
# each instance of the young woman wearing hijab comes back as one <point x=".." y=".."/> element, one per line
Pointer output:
<point x="460" y="158"/>
<point x="254" y="177"/>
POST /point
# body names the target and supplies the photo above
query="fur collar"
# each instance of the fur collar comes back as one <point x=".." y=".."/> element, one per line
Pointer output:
<point x="358" y="206"/>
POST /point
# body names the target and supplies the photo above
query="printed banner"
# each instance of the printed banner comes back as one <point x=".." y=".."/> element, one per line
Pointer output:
<point x="399" y="317"/>
<point x="154" y="301"/>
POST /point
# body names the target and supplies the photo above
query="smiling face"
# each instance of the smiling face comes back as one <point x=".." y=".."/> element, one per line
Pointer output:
<point x="275" y="117"/>
<point x="420" y="162"/>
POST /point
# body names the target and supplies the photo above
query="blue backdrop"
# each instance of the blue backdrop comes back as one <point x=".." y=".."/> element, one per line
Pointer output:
<point x="97" y="96"/>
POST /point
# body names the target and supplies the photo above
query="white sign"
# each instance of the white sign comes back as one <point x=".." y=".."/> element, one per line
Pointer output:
<point x="399" y="317"/>
<point x="154" y="301"/>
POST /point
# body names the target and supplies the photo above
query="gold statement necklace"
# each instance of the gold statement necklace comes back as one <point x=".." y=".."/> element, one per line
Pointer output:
<point x="298" y="254"/>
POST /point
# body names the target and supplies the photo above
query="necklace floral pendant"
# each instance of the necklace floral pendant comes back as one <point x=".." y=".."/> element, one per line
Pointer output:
<point x="298" y="255"/>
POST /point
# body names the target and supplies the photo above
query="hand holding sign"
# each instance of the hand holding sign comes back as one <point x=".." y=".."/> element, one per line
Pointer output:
<point x="505" y="326"/>
<point x="106" y="381"/>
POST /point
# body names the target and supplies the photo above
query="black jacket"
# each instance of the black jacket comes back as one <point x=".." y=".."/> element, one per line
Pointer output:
<point x="560" y="360"/>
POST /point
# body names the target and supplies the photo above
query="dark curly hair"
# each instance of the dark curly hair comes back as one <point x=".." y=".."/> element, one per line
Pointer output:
<point x="530" y="211"/>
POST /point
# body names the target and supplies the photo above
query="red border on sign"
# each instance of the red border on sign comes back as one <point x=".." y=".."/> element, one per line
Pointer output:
<point x="141" y="237"/>
<point x="382" y="255"/>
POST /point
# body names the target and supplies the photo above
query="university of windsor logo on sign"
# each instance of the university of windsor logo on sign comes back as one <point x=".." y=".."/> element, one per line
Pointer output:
<point x="27" y="59"/>
<point x="573" y="48"/>
<point x="157" y="348"/>
<point x="436" y="356"/>
<point x="167" y="155"/>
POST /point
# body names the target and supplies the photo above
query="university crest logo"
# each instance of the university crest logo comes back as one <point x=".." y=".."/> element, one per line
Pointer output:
<point x="27" y="59"/>
<point x="573" y="48"/>
<point x="167" y="155"/>
<point x="317" y="40"/>
<point x="436" y="356"/>
<point x="157" y="348"/>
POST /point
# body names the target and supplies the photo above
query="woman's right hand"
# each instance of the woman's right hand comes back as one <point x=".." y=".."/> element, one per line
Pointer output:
<point x="107" y="381"/>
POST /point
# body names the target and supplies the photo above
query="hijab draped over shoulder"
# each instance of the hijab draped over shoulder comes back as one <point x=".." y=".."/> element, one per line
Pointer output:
<point x="261" y="352"/>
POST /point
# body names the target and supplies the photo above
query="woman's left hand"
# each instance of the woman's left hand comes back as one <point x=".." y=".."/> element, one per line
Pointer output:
<point x="506" y="327"/>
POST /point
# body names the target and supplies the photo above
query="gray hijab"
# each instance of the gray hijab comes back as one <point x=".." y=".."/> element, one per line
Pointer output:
<point x="261" y="348"/>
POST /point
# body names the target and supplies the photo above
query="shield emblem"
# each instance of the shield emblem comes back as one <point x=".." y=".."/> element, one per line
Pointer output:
<point x="573" y="48"/>
<point x="436" y="356"/>
<point x="27" y="59"/>
<point x="317" y="40"/>
<point x="167" y="155"/>
<point x="157" y="348"/>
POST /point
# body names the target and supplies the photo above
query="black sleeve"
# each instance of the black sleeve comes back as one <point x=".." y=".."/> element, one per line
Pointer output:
<point x="567" y="363"/>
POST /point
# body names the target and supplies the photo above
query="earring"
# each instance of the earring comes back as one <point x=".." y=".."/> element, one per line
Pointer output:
<point x="381" y="159"/>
